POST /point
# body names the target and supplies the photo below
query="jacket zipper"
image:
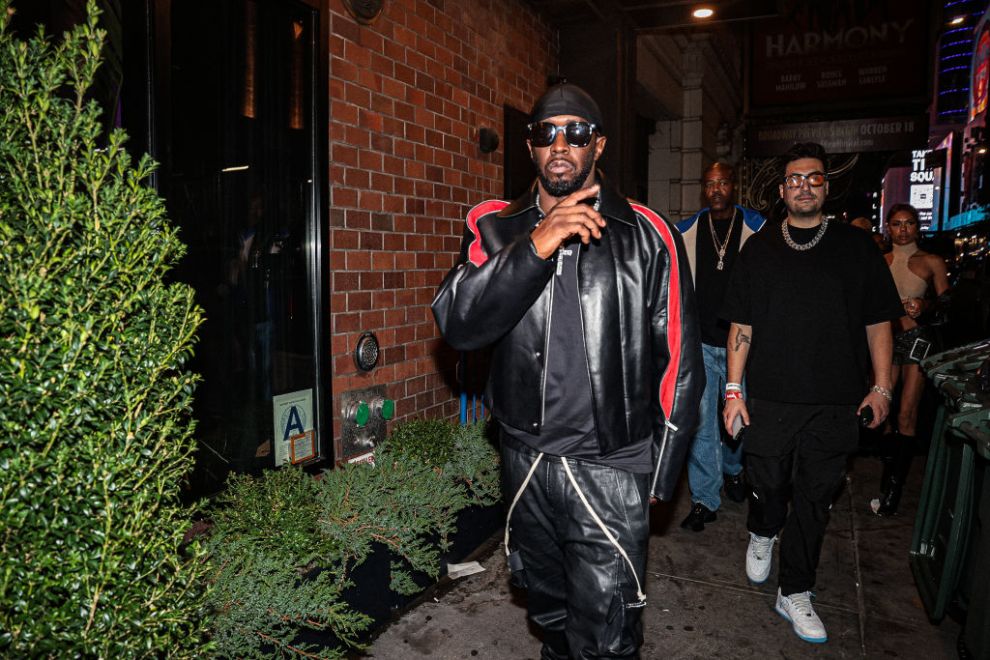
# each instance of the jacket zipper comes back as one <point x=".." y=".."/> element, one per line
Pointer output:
<point x="587" y="368"/>
<point x="546" y="350"/>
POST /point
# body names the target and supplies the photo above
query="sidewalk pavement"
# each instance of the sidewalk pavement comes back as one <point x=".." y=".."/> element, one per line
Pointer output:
<point x="700" y="604"/>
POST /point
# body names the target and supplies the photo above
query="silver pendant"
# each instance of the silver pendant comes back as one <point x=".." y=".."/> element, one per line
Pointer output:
<point x="720" y="265"/>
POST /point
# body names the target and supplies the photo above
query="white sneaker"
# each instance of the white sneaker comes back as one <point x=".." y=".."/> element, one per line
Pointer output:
<point x="759" y="557"/>
<point x="797" y="609"/>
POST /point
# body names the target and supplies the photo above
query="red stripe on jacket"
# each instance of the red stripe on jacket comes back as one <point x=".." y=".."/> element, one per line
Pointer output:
<point x="668" y="383"/>
<point x="476" y="252"/>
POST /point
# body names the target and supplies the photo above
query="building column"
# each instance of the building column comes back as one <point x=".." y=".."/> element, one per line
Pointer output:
<point x="692" y="74"/>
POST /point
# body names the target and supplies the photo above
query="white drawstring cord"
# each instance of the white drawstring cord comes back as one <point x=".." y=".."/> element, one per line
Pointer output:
<point x="508" y="516"/>
<point x="639" y="589"/>
<point x="567" y="468"/>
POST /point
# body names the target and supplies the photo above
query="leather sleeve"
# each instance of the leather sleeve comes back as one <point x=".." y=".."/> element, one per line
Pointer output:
<point x="478" y="303"/>
<point x="677" y="340"/>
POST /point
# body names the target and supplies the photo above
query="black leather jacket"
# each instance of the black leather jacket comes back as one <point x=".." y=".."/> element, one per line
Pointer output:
<point x="640" y="324"/>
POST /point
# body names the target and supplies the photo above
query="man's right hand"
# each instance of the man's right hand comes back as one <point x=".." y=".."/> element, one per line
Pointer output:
<point x="734" y="407"/>
<point x="569" y="217"/>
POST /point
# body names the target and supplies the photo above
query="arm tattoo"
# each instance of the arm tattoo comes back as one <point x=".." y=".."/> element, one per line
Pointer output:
<point x="741" y="338"/>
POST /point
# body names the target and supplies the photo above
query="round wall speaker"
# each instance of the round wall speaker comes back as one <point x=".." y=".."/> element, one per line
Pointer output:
<point x="364" y="11"/>
<point x="367" y="351"/>
<point x="487" y="140"/>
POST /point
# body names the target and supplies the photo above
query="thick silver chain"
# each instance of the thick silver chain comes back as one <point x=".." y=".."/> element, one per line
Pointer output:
<point x="801" y="247"/>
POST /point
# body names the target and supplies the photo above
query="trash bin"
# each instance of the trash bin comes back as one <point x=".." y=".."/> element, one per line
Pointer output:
<point x="974" y="585"/>
<point x="941" y="551"/>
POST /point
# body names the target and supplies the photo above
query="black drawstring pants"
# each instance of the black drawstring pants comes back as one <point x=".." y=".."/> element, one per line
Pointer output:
<point x="580" y="591"/>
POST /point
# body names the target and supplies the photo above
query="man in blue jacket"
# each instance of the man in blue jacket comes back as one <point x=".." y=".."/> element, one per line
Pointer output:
<point x="713" y="237"/>
<point x="587" y="301"/>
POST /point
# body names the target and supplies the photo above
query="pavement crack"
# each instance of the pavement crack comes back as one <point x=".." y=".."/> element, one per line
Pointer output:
<point x="860" y="599"/>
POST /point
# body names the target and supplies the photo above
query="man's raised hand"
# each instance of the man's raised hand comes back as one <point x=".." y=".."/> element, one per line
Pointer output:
<point x="569" y="217"/>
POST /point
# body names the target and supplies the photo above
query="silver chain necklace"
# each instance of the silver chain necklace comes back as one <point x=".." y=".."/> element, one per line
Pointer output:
<point x="539" y="209"/>
<point x="721" y="247"/>
<point x="801" y="247"/>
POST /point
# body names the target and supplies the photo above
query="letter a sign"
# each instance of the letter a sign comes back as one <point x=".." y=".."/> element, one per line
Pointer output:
<point x="292" y="414"/>
<point x="293" y="423"/>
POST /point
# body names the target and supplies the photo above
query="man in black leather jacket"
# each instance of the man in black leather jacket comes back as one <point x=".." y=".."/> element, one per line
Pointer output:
<point x="595" y="378"/>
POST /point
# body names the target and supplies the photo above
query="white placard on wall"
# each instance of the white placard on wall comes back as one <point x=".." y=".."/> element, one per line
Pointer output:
<point x="292" y="414"/>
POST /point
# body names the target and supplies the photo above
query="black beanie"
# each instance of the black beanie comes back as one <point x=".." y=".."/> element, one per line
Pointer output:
<point x="567" y="99"/>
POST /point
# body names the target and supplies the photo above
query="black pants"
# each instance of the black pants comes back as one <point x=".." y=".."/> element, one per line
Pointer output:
<point x="580" y="590"/>
<point x="796" y="453"/>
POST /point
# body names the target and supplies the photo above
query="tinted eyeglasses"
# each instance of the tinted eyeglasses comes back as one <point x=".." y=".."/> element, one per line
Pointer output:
<point x="578" y="134"/>
<point x="815" y="180"/>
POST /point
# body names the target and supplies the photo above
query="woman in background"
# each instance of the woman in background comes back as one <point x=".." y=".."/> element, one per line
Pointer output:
<point x="922" y="282"/>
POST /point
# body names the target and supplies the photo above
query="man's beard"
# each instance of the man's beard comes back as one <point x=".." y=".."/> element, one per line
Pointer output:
<point x="797" y="212"/>
<point x="562" y="187"/>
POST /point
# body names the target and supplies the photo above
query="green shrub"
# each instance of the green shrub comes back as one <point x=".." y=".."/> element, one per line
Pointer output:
<point x="430" y="441"/>
<point x="95" y="433"/>
<point x="462" y="452"/>
<point x="265" y="541"/>
<point x="475" y="464"/>
<point x="284" y="544"/>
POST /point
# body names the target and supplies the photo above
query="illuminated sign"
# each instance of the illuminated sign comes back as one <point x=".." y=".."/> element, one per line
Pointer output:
<point x="918" y="184"/>
<point x="921" y="191"/>
<point x="981" y="70"/>
<point x="842" y="50"/>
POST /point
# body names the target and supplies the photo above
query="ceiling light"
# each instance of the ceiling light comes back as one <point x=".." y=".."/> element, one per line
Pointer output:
<point x="703" y="12"/>
<point x="957" y="20"/>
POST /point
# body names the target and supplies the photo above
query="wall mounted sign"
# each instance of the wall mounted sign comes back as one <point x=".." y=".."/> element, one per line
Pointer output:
<point x="981" y="72"/>
<point x="302" y="447"/>
<point x="292" y="414"/>
<point x="840" y="137"/>
<point x="845" y="50"/>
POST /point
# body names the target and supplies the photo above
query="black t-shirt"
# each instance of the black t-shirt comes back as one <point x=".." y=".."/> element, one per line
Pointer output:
<point x="568" y="414"/>
<point x="809" y="311"/>
<point x="710" y="283"/>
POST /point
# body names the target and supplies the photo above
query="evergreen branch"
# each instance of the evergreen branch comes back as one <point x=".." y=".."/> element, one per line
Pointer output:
<point x="278" y="643"/>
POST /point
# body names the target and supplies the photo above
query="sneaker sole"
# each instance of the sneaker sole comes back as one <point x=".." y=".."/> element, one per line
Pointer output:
<point x="812" y="640"/>
<point x="756" y="582"/>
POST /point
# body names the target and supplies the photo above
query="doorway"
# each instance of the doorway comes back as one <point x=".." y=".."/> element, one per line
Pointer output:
<point x="235" y="130"/>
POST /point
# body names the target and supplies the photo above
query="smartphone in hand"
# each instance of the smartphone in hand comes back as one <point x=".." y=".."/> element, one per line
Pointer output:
<point x="738" y="432"/>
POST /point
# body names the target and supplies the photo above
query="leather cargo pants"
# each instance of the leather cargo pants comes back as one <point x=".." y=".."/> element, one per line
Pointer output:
<point x="581" y="592"/>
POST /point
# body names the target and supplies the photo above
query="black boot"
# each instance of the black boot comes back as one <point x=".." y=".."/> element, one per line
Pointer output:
<point x="554" y="645"/>
<point x="888" y="450"/>
<point x="893" y="486"/>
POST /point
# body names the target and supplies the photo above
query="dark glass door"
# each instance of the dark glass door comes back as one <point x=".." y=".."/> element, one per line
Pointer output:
<point x="237" y="143"/>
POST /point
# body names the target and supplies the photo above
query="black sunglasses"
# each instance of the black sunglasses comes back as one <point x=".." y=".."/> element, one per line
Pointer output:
<point x="577" y="133"/>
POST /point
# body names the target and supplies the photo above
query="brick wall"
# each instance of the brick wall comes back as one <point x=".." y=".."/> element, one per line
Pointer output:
<point x="407" y="97"/>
